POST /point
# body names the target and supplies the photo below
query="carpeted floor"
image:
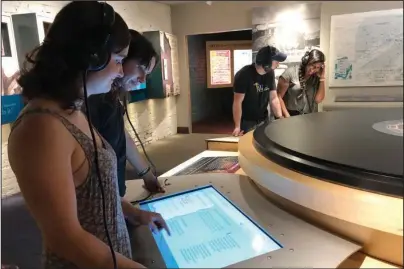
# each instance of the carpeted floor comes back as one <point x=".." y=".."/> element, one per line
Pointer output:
<point x="21" y="241"/>
<point x="213" y="126"/>
<point x="169" y="152"/>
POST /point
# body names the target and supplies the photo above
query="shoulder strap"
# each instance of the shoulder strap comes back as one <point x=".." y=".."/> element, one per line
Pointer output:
<point x="73" y="129"/>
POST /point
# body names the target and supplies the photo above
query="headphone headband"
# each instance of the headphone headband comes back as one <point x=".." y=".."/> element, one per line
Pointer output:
<point x="95" y="48"/>
<point x="99" y="52"/>
<point x="108" y="19"/>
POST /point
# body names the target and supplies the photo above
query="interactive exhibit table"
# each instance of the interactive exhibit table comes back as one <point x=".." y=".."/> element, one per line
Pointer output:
<point x="319" y="188"/>
<point x="208" y="161"/>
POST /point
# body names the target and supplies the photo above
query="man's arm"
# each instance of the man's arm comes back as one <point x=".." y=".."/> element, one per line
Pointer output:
<point x="133" y="155"/>
<point x="275" y="104"/>
<point x="241" y="84"/>
<point x="139" y="164"/>
<point x="237" y="108"/>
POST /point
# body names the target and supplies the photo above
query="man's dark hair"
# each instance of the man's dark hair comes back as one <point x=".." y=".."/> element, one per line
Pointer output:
<point x="55" y="69"/>
<point x="141" y="49"/>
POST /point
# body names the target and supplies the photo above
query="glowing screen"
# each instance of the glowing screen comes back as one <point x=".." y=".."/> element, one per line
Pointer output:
<point x="207" y="231"/>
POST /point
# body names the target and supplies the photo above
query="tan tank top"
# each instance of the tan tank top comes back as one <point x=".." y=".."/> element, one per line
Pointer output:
<point x="88" y="196"/>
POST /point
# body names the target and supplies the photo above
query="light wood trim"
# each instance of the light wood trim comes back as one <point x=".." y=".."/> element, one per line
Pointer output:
<point x="233" y="44"/>
<point x="384" y="246"/>
<point x="375" y="211"/>
<point x="240" y="172"/>
<point x="222" y="146"/>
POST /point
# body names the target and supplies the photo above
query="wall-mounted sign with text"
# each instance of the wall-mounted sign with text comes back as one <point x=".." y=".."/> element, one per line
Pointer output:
<point x="224" y="59"/>
<point x="220" y="67"/>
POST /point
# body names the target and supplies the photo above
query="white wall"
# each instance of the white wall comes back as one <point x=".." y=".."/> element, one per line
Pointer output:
<point x="200" y="18"/>
<point x="153" y="119"/>
<point x="336" y="8"/>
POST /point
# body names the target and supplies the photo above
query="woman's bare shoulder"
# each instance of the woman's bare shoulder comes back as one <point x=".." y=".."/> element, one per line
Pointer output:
<point x="39" y="132"/>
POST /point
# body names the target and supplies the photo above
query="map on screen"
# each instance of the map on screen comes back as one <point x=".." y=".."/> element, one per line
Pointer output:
<point x="207" y="230"/>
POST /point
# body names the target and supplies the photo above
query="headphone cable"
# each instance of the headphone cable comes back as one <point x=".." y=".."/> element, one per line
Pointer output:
<point x="97" y="168"/>
<point x="153" y="167"/>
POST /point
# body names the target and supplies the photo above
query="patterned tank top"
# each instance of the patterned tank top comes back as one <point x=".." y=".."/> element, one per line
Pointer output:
<point x="88" y="195"/>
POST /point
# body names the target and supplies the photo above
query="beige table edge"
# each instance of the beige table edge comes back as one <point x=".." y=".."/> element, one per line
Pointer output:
<point x="321" y="196"/>
<point x="135" y="191"/>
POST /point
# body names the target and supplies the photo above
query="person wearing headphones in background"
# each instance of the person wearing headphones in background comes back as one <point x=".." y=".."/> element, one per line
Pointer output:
<point x="302" y="87"/>
<point x="254" y="89"/>
<point x="107" y="112"/>
<point x="67" y="173"/>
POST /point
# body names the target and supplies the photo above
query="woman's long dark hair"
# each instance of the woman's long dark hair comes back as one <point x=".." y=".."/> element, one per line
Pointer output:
<point x="310" y="57"/>
<point x="54" y="70"/>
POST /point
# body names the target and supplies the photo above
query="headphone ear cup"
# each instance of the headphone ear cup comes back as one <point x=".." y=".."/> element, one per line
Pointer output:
<point x="99" y="60"/>
<point x="100" y="56"/>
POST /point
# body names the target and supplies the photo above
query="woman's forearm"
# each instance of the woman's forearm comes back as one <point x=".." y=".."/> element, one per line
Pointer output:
<point x="87" y="251"/>
<point x="133" y="155"/>
<point x="283" y="107"/>
<point x="128" y="209"/>
<point x="320" y="92"/>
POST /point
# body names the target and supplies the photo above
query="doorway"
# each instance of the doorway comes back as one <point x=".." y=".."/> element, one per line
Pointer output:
<point x="211" y="107"/>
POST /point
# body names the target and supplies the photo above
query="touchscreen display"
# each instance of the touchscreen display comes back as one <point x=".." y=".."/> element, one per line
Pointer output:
<point x="207" y="231"/>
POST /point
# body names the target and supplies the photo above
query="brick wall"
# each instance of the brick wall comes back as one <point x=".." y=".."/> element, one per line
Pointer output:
<point x="153" y="119"/>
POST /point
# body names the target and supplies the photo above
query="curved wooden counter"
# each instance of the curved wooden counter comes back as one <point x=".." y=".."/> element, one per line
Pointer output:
<point x="373" y="220"/>
<point x="361" y="149"/>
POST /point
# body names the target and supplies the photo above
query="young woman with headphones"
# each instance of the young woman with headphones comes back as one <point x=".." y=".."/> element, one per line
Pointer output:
<point x="66" y="171"/>
<point x="302" y="87"/>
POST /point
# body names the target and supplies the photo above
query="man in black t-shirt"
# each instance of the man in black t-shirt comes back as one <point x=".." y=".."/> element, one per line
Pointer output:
<point x="107" y="112"/>
<point x="254" y="89"/>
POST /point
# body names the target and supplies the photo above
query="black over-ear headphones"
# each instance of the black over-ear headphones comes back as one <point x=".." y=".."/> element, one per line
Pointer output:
<point x="98" y="58"/>
<point x="268" y="66"/>
<point x="266" y="63"/>
<point x="98" y="47"/>
<point x="96" y="55"/>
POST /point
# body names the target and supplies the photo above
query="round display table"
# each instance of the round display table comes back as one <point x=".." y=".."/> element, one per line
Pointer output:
<point x="342" y="171"/>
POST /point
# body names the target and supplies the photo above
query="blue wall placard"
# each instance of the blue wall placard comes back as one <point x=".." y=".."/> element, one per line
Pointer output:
<point x="137" y="96"/>
<point x="141" y="86"/>
<point x="11" y="105"/>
